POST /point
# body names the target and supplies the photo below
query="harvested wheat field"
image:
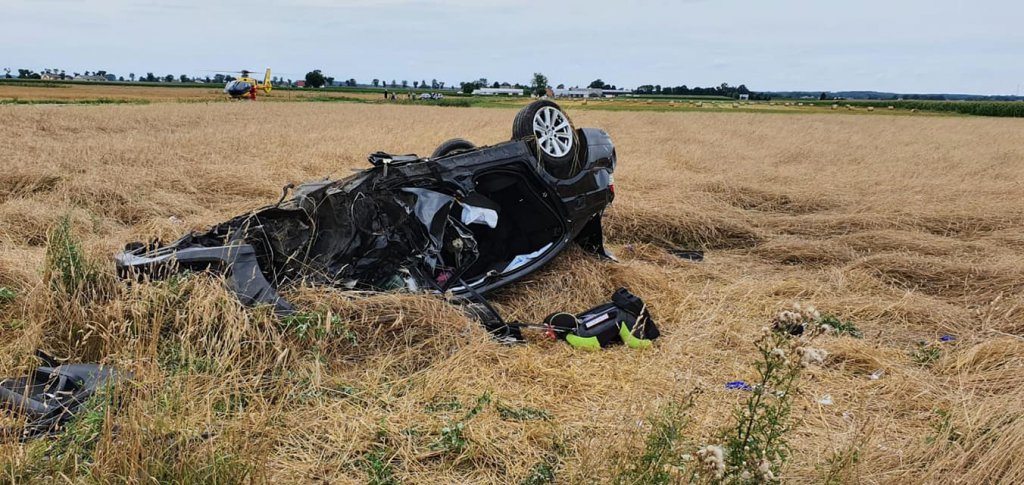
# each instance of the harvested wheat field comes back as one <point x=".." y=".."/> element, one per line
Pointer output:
<point x="87" y="93"/>
<point x="906" y="234"/>
<point x="68" y="92"/>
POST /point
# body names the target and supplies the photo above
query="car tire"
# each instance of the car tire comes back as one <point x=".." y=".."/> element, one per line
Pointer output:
<point x="452" y="146"/>
<point x="553" y="135"/>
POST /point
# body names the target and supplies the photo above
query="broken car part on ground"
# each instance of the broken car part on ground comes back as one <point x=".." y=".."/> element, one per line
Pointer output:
<point x="466" y="220"/>
<point x="52" y="394"/>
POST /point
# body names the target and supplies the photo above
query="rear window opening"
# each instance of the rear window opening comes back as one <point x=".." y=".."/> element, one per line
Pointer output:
<point x="525" y="229"/>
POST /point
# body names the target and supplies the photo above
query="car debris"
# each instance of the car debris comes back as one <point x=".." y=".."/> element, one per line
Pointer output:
<point x="54" y="393"/>
<point x="738" y="386"/>
<point x="689" y="255"/>
<point x="465" y="221"/>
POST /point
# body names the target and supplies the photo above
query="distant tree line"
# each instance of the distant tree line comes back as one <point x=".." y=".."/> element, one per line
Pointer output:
<point x="469" y="86"/>
<point x="723" y="89"/>
<point x="599" y="84"/>
<point x="317" y="79"/>
<point x="54" y="74"/>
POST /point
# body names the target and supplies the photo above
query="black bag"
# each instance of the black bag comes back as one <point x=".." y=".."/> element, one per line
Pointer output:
<point x="603" y="320"/>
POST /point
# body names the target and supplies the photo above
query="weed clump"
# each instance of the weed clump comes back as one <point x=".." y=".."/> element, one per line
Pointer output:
<point x="67" y="269"/>
<point x="805" y="319"/>
<point x="314" y="326"/>
<point x="756" y="448"/>
<point x="752" y="450"/>
<point x="661" y="461"/>
<point x="925" y="354"/>
<point x="540" y="474"/>
<point x="453" y="440"/>
<point x="508" y="413"/>
<point x="378" y="462"/>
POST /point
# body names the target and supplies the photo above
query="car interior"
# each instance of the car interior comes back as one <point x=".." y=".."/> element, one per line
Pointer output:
<point x="525" y="223"/>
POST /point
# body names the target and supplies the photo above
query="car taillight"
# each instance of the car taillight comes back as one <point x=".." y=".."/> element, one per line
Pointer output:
<point x="611" y="183"/>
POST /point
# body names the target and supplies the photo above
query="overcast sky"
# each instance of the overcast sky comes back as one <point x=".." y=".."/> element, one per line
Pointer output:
<point x="892" y="45"/>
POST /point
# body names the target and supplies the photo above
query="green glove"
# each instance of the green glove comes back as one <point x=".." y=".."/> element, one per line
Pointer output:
<point x="584" y="343"/>
<point x="631" y="341"/>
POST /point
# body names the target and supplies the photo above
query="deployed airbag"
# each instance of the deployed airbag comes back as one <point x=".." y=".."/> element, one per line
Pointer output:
<point x="479" y="215"/>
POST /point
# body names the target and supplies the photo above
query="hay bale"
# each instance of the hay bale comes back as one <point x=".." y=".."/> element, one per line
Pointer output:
<point x="871" y="108"/>
<point x="892" y="107"/>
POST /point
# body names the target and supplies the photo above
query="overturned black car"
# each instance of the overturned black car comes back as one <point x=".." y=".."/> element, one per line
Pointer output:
<point x="465" y="220"/>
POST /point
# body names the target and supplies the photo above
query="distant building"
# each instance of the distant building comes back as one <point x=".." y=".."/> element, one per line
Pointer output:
<point x="90" y="78"/>
<point x="611" y="93"/>
<point x="579" y="93"/>
<point x="300" y="84"/>
<point x="498" y="91"/>
<point x="744" y="97"/>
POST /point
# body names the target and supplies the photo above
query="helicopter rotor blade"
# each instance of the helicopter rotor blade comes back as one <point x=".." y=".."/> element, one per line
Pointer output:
<point x="229" y="70"/>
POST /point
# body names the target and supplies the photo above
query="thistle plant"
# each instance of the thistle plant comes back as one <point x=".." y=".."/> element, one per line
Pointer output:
<point x="756" y="448"/>
<point x="751" y="450"/>
<point x="800" y="319"/>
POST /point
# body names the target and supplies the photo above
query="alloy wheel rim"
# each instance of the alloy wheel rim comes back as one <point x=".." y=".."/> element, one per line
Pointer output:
<point x="553" y="131"/>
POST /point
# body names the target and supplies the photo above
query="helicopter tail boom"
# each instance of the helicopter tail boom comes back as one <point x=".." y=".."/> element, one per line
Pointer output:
<point x="266" y="82"/>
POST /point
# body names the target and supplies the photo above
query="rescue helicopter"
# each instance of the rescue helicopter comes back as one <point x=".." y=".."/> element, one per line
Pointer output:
<point x="246" y="86"/>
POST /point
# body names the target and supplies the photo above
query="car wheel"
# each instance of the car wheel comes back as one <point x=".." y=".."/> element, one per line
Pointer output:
<point x="549" y="127"/>
<point x="454" y="145"/>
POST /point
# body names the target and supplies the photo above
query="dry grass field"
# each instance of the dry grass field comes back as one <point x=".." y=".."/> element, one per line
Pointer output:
<point x="910" y="228"/>
<point x="75" y="92"/>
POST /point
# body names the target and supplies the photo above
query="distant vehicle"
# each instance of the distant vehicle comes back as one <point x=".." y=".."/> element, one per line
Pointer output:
<point x="431" y="96"/>
<point x="465" y="220"/>
<point x="242" y="87"/>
